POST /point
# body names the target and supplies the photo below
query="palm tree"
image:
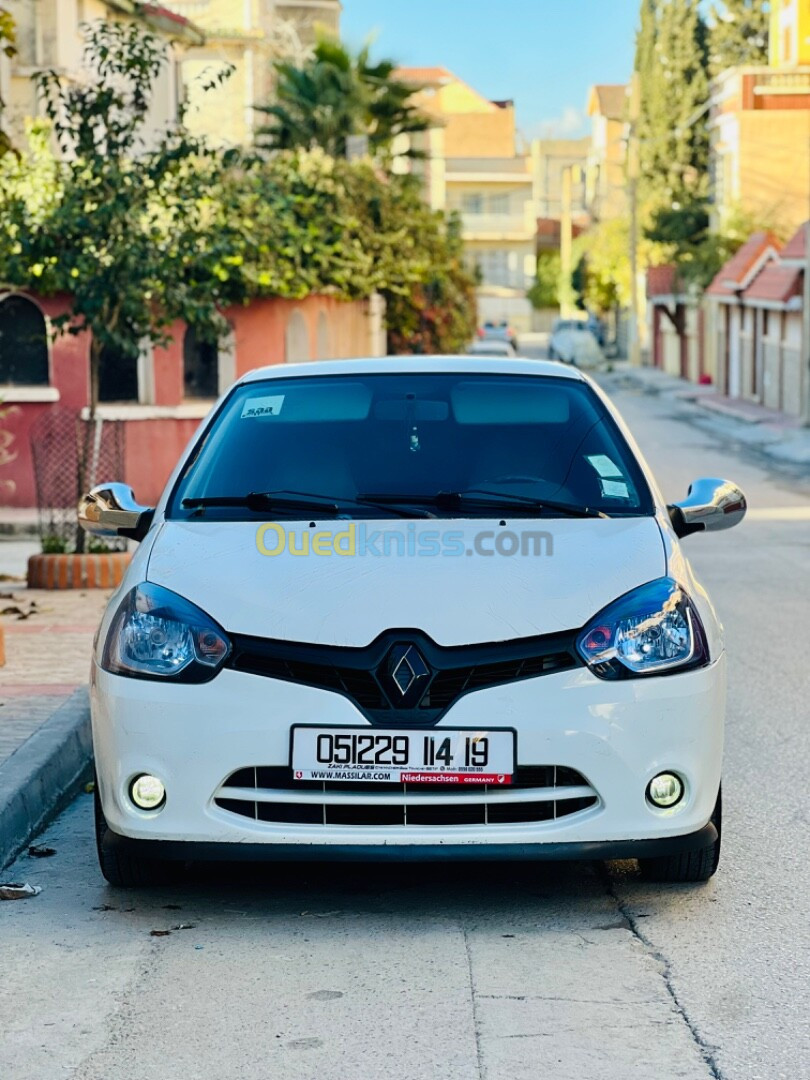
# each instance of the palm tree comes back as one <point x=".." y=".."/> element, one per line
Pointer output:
<point x="335" y="95"/>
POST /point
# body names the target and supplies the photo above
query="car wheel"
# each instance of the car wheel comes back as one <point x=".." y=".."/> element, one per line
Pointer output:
<point x="551" y="354"/>
<point x="689" y="866"/>
<point x="122" y="869"/>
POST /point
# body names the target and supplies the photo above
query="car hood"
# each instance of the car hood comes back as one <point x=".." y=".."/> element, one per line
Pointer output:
<point x="456" y="599"/>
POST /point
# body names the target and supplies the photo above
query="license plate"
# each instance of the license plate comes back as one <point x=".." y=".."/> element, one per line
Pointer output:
<point x="403" y="756"/>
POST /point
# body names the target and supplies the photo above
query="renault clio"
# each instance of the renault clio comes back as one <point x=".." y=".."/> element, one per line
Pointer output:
<point x="405" y="609"/>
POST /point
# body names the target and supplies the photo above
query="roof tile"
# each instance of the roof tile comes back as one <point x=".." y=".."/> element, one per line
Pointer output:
<point x="795" y="247"/>
<point x="730" y="278"/>
<point x="776" y="284"/>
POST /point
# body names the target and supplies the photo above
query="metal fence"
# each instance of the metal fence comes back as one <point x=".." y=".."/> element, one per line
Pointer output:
<point x="72" y="455"/>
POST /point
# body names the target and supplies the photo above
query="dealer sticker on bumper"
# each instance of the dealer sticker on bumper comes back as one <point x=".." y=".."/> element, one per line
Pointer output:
<point x="413" y="757"/>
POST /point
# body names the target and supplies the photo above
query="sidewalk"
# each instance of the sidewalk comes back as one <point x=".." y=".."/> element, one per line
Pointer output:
<point x="49" y="637"/>
<point x="44" y="726"/>
<point x="18" y="521"/>
<point x="776" y="435"/>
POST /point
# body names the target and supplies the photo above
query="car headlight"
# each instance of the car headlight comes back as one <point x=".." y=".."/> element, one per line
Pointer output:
<point x="156" y="634"/>
<point x="653" y="630"/>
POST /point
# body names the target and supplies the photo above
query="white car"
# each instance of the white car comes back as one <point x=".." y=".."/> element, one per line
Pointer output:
<point x="410" y="608"/>
<point x="492" y="347"/>
<point x="573" y="342"/>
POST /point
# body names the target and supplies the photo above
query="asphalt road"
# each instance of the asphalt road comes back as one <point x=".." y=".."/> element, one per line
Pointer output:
<point x="495" y="972"/>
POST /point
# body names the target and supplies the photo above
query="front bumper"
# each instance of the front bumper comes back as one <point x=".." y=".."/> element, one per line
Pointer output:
<point x="192" y="851"/>
<point x="617" y="735"/>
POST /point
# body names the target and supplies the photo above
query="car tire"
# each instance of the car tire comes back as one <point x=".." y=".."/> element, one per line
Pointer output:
<point x="551" y="354"/>
<point x="689" y="866"/>
<point x="123" y="870"/>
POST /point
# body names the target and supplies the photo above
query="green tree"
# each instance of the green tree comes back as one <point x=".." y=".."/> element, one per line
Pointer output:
<point x="335" y="95"/>
<point x="142" y="230"/>
<point x="431" y="307"/>
<point x="120" y="224"/>
<point x="545" y="293"/>
<point x="672" y="64"/>
<point x="739" y="34"/>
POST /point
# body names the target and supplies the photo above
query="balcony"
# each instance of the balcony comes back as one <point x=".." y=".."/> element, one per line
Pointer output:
<point x="767" y="89"/>
<point x="498" y="226"/>
<point x="512" y="281"/>
<point x="511" y="168"/>
<point x="782" y="82"/>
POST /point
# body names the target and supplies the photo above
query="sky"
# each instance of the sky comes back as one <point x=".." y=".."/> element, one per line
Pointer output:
<point x="544" y="54"/>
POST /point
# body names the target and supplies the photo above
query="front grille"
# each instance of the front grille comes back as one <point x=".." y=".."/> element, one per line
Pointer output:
<point x="360" y="673"/>
<point x="551" y="792"/>
<point x="360" y="686"/>
<point x="448" y="685"/>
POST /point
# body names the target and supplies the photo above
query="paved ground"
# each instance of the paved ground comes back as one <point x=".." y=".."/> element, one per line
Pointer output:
<point x="498" y="973"/>
<point x="48" y="636"/>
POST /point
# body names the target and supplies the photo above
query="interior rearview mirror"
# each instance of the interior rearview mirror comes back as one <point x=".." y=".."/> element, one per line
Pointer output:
<point x="111" y="510"/>
<point x="711" y="504"/>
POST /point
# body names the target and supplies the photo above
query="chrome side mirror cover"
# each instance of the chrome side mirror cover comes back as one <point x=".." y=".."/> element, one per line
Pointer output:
<point x="711" y="504"/>
<point x="111" y="510"/>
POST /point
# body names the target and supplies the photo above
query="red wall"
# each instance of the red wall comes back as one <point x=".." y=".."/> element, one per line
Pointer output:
<point x="70" y="374"/>
<point x="153" y="445"/>
<point x="151" y="452"/>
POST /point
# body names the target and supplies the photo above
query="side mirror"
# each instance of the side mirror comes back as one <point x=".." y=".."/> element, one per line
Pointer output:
<point x="710" y="505"/>
<point x="111" y="510"/>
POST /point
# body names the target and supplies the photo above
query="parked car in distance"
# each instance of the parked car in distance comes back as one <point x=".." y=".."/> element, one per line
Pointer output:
<point x="573" y="342"/>
<point x="274" y="679"/>
<point x="492" y="347"/>
<point x="500" y="331"/>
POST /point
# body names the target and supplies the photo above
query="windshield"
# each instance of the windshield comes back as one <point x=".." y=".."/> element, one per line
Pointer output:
<point x="449" y="445"/>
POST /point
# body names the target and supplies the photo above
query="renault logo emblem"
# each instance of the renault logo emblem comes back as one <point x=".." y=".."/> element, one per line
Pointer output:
<point x="405" y="676"/>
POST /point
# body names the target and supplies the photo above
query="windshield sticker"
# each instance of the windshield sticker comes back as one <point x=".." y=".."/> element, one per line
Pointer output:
<point x="262" y="406"/>
<point x="614" y="489"/>
<point x="604" y="466"/>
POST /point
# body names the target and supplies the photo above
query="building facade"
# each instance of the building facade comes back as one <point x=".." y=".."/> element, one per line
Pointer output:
<point x="606" y="181"/>
<point x="246" y="38"/>
<point x="480" y="168"/>
<point x="49" y="37"/>
<point x="552" y="158"/>
<point x="755" y="303"/>
<point x="759" y="124"/>
<point x="789" y="37"/>
<point x="745" y="334"/>
<point x="161" y="397"/>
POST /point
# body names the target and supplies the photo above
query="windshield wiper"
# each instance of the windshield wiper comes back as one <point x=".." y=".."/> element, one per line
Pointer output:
<point x="484" y="497"/>
<point x="454" y="500"/>
<point x="262" y="501"/>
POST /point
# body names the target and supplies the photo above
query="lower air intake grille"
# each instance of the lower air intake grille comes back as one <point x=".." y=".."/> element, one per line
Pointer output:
<point x="489" y="805"/>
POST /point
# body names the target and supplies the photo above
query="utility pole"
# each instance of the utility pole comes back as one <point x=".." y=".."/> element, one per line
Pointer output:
<point x="633" y="170"/>
<point x="566" y="240"/>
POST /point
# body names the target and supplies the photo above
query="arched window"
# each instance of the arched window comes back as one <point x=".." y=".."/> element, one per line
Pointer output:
<point x="23" y="343"/>
<point x="297" y="339"/>
<point x="117" y="375"/>
<point x="200" y="366"/>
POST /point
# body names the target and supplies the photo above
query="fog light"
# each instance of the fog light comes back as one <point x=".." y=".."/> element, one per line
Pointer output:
<point x="665" y="790"/>
<point x="147" y="792"/>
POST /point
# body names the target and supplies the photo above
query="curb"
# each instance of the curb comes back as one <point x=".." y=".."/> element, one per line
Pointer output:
<point x="41" y="777"/>
<point x="100" y="571"/>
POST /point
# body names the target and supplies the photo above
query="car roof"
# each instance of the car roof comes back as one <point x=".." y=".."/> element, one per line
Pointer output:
<point x="398" y="365"/>
<point x="493" y="343"/>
